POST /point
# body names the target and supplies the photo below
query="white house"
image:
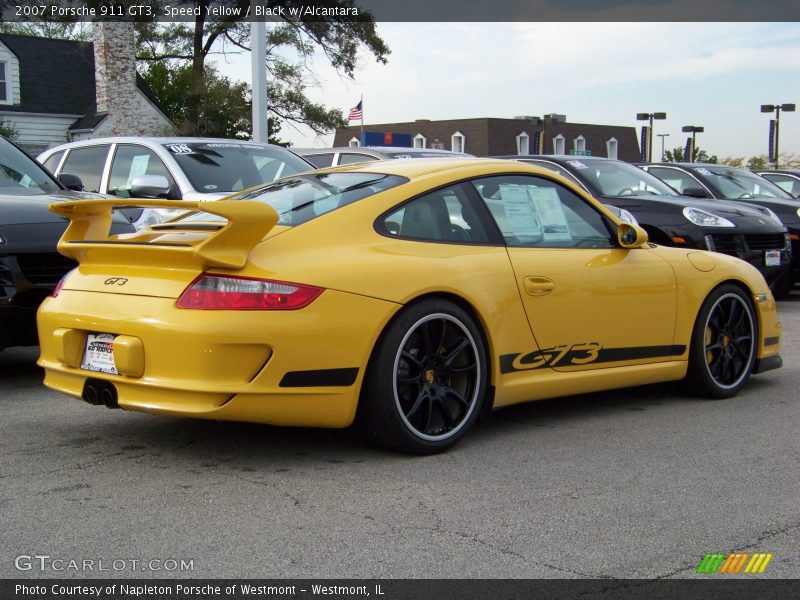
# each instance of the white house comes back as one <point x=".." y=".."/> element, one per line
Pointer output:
<point x="53" y="91"/>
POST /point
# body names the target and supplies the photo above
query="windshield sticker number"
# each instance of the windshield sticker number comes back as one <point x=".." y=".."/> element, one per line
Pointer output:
<point x="577" y="164"/>
<point x="180" y="149"/>
<point x="704" y="171"/>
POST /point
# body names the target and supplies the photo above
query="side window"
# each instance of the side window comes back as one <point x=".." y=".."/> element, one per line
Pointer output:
<point x="445" y="215"/>
<point x="87" y="163"/>
<point x="320" y="160"/>
<point x="538" y="212"/>
<point x="51" y="164"/>
<point x="133" y="161"/>
<point x="677" y="180"/>
<point x="346" y="158"/>
<point x="787" y="184"/>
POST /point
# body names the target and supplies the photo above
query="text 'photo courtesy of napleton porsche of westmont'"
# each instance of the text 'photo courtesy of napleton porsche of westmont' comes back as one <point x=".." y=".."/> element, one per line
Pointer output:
<point x="451" y="300"/>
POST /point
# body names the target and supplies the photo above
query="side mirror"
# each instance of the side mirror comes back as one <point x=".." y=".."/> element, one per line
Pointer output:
<point x="631" y="236"/>
<point x="694" y="192"/>
<point x="71" y="182"/>
<point x="149" y="186"/>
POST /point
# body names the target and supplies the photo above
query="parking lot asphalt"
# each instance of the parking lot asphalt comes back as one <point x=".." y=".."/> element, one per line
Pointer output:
<point x="629" y="483"/>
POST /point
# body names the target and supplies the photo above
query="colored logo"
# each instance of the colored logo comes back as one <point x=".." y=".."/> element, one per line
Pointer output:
<point x="734" y="562"/>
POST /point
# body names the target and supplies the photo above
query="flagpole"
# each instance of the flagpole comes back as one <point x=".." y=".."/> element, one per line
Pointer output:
<point x="361" y="141"/>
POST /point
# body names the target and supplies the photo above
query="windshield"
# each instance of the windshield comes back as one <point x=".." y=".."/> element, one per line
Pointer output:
<point x="734" y="183"/>
<point x="613" y="178"/>
<point x="21" y="175"/>
<point x="300" y="199"/>
<point x="215" y="167"/>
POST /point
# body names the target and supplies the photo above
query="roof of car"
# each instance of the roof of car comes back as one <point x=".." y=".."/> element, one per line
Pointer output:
<point x="163" y="140"/>
<point x="378" y="150"/>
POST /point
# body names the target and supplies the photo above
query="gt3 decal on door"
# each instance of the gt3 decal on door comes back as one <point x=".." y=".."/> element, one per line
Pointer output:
<point x="582" y="354"/>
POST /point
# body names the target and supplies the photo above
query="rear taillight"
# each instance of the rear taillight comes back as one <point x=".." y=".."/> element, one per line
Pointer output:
<point x="222" y="292"/>
<point x="61" y="283"/>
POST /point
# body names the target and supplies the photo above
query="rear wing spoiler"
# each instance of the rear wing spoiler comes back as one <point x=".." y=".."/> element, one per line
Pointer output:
<point x="87" y="236"/>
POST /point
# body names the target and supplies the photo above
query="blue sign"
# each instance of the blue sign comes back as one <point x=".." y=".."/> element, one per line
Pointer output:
<point x="386" y="138"/>
<point x="644" y="146"/>
<point x="773" y="134"/>
<point x="688" y="151"/>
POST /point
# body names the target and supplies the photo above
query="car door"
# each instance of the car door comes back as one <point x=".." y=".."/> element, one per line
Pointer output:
<point x="131" y="161"/>
<point x="590" y="304"/>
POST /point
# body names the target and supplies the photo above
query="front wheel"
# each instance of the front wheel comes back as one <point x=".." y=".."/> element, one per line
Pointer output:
<point x="426" y="380"/>
<point x="724" y="344"/>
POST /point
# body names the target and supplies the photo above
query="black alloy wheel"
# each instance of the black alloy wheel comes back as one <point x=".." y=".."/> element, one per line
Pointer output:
<point x="426" y="381"/>
<point x="724" y="343"/>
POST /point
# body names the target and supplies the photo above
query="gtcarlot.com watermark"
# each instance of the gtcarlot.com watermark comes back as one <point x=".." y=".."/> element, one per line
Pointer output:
<point x="46" y="563"/>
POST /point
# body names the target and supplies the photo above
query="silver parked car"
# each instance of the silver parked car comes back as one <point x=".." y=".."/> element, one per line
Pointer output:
<point x="345" y="155"/>
<point x="176" y="168"/>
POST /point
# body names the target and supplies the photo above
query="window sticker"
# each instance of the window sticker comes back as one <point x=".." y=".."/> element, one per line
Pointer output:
<point x="577" y="164"/>
<point x="179" y="149"/>
<point x="522" y="216"/>
<point x="551" y="214"/>
<point x="704" y="171"/>
<point x="138" y="167"/>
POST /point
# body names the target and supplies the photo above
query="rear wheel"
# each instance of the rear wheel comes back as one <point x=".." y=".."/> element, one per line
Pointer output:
<point x="724" y="344"/>
<point x="426" y="380"/>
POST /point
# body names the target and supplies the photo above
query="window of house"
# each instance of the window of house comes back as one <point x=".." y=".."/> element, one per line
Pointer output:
<point x="538" y="212"/>
<point x="445" y="215"/>
<point x="131" y="162"/>
<point x="559" y="145"/>
<point x="5" y="93"/>
<point x="579" y="144"/>
<point x="420" y="141"/>
<point x="88" y="164"/>
<point x="354" y="143"/>
<point x="523" y="144"/>
<point x="458" y="142"/>
<point x="611" y="148"/>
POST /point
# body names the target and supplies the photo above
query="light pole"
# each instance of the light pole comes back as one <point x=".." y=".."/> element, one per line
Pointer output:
<point x="662" y="136"/>
<point x="765" y="108"/>
<point x="660" y="116"/>
<point x="694" y="130"/>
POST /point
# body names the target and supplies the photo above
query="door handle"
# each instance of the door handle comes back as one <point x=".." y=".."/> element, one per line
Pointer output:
<point x="538" y="286"/>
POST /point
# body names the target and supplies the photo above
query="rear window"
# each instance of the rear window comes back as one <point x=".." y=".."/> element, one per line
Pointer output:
<point x="305" y="197"/>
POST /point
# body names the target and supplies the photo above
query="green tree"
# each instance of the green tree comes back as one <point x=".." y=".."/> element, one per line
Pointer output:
<point x="699" y="155"/>
<point x="732" y="161"/>
<point x="224" y="110"/>
<point x="7" y="130"/>
<point x="758" y="162"/>
<point x="291" y="47"/>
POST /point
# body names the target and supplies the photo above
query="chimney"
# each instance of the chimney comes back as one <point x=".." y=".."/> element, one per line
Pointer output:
<point x="115" y="70"/>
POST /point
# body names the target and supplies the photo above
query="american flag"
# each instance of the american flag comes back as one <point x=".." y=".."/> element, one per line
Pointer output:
<point x="355" y="112"/>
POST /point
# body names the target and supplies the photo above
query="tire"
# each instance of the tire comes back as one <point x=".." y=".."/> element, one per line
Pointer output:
<point x="421" y="398"/>
<point x="724" y="344"/>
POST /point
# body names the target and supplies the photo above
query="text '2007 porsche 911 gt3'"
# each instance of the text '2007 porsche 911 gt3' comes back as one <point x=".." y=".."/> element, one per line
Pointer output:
<point x="407" y="297"/>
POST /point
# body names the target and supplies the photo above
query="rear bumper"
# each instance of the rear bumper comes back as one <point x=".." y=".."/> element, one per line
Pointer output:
<point x="299" y="367"/>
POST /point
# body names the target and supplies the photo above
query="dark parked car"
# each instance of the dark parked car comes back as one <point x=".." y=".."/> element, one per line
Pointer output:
<point x="748" y="232"/>
<point x="722" y="182"/>
<point x="30" y="266"/>
<point x="786" y="179"/>
<point x="345" y="155"/>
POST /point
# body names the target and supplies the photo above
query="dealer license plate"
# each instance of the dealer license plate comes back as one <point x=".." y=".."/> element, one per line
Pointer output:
<point x="772" y="258"/>
<point x="99" y="353"/>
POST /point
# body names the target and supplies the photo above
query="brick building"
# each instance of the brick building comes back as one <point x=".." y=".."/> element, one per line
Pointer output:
<point x="498" y="137"/>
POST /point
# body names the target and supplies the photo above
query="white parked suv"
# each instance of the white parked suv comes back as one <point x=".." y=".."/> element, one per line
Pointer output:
<point x="177" y="168"/>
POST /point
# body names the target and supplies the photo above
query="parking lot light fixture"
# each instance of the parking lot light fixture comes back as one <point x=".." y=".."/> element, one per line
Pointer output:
<point x="659" y="116"/>
<point x="694" y="130"/>
<point x="775" y="134"/>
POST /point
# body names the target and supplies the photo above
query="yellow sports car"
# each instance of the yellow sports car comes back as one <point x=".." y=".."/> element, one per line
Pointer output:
<point x="408" y="297"/>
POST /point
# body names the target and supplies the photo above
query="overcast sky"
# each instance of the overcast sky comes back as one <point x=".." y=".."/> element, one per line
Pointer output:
<point x="714" y="75"/>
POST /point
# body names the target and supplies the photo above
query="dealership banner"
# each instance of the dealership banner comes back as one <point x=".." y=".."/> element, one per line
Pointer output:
<point x="401" y="589"/>
<point x="773" y="138"/>
<point x="644" y="145"/>
<point x="392" y="10"/>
